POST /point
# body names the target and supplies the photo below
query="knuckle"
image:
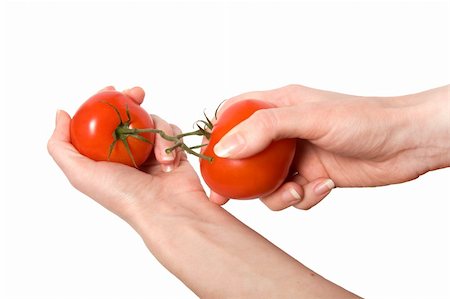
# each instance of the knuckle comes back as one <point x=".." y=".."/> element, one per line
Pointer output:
<point x="271" y="204"/>
<point x="291" y="87"/>
<point x="302" y="207"/>
<point x="265" y="120"/>
<point x="275" y="208"/>
<point x="307" y="208"/>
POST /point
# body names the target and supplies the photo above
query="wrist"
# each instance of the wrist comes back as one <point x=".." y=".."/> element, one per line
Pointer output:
<point x="425" y="126"/>
<point x="201" y="243"/>
<point x="163" y="211"/>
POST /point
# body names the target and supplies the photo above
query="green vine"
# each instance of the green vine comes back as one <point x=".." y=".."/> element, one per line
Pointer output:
<point x="123" y="131"/>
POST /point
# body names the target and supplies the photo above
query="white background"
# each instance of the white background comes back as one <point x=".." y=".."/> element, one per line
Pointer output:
<point x="387" y="242"/>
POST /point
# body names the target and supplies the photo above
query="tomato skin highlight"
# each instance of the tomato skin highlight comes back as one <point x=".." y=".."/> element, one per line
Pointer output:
<point x="93" y="125"/>
<point x="251" y="177"/>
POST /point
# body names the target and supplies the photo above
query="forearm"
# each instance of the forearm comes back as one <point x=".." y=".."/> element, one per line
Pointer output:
<point x="217" y="256"/>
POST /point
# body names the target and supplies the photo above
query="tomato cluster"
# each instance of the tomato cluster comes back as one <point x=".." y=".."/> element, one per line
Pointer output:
<point x="110" y="126"/>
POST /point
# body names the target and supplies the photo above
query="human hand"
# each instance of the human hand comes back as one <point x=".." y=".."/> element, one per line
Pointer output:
<point x="124" y="190"/>
<point x="343" y="140"/>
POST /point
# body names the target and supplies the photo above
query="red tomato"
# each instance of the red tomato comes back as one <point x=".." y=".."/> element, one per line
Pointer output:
<point x="251" y="177"/>
<point x="93" y="127"/>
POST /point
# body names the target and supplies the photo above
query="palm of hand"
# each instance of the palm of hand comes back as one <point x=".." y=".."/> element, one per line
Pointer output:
<point x="124" y="190"/>
<point x="182" y="180"/>
<point x="129" y="192"/>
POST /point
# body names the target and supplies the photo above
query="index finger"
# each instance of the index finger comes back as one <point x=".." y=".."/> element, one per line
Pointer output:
<point x="276" y="97"/>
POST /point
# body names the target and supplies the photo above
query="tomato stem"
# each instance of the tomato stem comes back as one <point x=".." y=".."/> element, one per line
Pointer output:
<point x="123" y="131"/>
<point x="177" y="140"/>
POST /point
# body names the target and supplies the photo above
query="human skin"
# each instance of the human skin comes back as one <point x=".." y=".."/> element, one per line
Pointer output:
<point x="195" y="239"/>
<point x="343" y="140"/>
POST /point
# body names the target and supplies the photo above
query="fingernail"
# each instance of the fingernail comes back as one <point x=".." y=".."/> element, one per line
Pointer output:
<point x="167" y="167"/>
<point x="229" y="145"/>
<point x="293" y="196"/>
<point x="167" y="157"/>
<point x="324" y="187"/>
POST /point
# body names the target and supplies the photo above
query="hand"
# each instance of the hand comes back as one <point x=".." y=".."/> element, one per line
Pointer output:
<point x="126" y="191"/>
<point x="343" y="140"/>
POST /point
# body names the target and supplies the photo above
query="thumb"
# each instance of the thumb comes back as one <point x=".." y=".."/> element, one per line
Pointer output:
<point x="264" y="126"/>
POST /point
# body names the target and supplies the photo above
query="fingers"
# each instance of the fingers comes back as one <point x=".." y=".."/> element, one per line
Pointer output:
<point x="180" y="155"/>
<point x="299" y="193"/>
<point x="300" y="113"/>
<point x="137" y="94"/>
<point x="59" y="145"/>
<point x="110" y="87"/>
<point x="260" y="129"/>
<point x="62" y="128"/>
<point x="254" y="95"/>
<point x="289" y="194"/>
<point x="280" y="97"/>
<point x="167" y="160"/>
<point x="63" y="152"/>
<point x="315" y="192"/>
<point x="107" y="183"/>
<point x="217" y="199"/>
<point x="249" y="137"/>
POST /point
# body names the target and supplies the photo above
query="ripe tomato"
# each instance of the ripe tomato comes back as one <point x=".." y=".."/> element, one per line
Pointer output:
<point x="251" y="177"/>
<point x="94" y="125"/>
